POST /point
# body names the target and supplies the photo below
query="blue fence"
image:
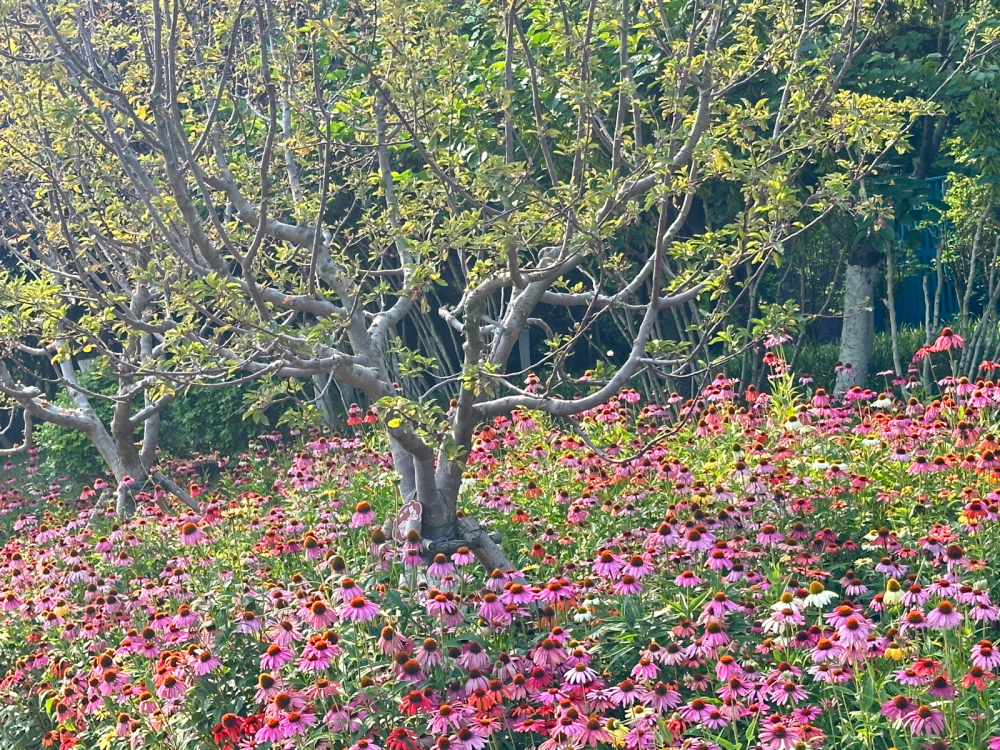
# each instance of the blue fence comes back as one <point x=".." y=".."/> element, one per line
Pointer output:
<point x="910" y="307"/>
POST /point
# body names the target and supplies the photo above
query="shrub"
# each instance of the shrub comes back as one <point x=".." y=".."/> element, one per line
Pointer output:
<point x="819" y="359"/>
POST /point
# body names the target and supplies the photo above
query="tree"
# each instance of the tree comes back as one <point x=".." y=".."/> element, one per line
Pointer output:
<point x="937" y="52"/>
<point x="282" y="191"/>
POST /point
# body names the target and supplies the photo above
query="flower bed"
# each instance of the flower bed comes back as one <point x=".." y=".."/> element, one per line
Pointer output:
<point x="778" y="571"/>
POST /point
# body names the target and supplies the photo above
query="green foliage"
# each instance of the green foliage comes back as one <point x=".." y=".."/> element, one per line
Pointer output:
<point x="69" y="453"/>
<point x="819" y="359"/>
<point x="198" y="421"/>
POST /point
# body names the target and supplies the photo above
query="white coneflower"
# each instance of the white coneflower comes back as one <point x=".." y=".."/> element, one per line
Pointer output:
<point x="786" y="600"/>
<point x="818" y="596"/>
<point x="792" y="424"/>
<point x="893" y="593"/>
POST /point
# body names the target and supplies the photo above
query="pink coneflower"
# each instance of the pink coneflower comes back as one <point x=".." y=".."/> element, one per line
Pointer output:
<point x="627" y="586"/>
<point x="637" y="566"/>
<point x="248" y="623"/>
<point x="170" y="688"/>
<point x="359" y="609"/>
<point x="911" y="677"/>
<point x="348" y="590"/>
<point x="191" y="534"/>
<point x="787" y="692"/>
<point x="898" y="707"/>
<point x="284" y="702"/>
<point x="413" y="554"/>
<point x="606" y="565"/>
<point x="440" y="567"/>
<point x="640" y="738"/>
<point x="941" y="687"/>
<point x="768" y="536"/>
<point x="317" y="655"/>
<point x="662" y="697"/>
<point x="467" y="738"/>
<point x="727" y="667"/>
<point x="447" y="716"/>
<point x="580" y="674"/>
<point x="948" y="340"/>
<point x="697" y="539"/>
<point x="517" y="593"/>
<point x="985" y="655"/>
<point x="645" y="670"/>
<point x="687" y="579"/>
<point x="112" y="681"/>
<point x="363" y="515"/>
<point x="295" y="723"/>
<point x="914" y="620"/>
<point x="268" y="686"/>
<point x="916" y="596"/>
<point x="735" y="689"/>
<point x="491" y="608"/>
<point x="924" y="720"/>
<point x="696" y="710"/>
<point x="549" y="653"/>
<point x="777" y="735"/>
<point x="715" y="635"/>
<point x="285" y="633"/>
<point x="841" y="614"/>
<point x="984" y="612"/>
<point x="591" y="733"/>
<point x="944" y="588"/>
<point x="319" y="615"/>
<point x="185" y="617"/>
<point x="205" y="663"/>
<point x="391" y="642"/>
<point x="626" y="692"/>
<point x="944" y="616"/>
<point x="853" y="632"/>
<point x="276" y="657"/>
<point x="271" y="731"/>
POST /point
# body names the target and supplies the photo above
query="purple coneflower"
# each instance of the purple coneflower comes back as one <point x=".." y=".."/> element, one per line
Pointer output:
<point x="359" y="609"/>
<point x="944" y="616"/>
<point x="898" y="707"/>
<point x="276" y="657"/>
<point x="191" y="534"/>
<point x="924" y="720"/>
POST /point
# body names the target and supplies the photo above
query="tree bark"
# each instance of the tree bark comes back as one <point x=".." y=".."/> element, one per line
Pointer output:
<point x="857" y="338"/>
<point x="321" y="388"/>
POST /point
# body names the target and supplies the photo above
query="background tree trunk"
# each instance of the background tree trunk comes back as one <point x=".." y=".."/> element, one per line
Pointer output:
<point x="857" y="337"/>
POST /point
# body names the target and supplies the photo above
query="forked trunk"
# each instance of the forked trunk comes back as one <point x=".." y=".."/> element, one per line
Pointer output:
<point x="430" y="493"/>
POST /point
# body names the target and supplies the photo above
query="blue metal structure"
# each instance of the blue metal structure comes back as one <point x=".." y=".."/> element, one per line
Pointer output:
<point x="910" y="308"/>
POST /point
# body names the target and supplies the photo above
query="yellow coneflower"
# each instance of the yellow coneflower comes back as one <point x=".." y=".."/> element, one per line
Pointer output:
<point x="895" y="651"/>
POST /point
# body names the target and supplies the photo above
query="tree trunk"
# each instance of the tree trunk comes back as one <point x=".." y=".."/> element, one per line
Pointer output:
<point x="857" y="338"/>
<point x="321" y="388"/>
<point x="124" y="463"/>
